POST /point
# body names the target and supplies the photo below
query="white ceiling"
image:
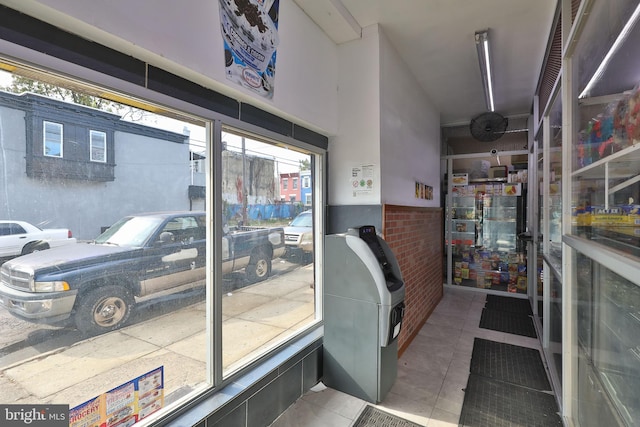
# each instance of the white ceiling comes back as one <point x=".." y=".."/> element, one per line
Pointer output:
<point x="436" y="40"/>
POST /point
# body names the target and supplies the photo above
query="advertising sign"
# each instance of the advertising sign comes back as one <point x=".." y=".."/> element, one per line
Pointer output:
<point x="250" y="33"/>
<point x="124" y="405"/>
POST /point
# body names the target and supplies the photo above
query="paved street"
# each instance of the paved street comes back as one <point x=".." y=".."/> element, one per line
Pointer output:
<point x="42" y="364"/>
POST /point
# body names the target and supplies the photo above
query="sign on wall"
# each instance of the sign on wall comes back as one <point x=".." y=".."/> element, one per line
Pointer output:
<point x="250" y="33"/>
<point x="362" y="180"/>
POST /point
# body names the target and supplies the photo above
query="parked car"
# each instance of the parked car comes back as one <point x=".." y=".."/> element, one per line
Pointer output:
<point x="298" y="236"/>
<point x="21" y="238"/>
<point x="96" y="284"/>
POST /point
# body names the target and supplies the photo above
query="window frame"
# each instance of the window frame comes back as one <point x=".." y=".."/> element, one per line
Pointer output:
<point x="44" y="139"/>
<point x="213" y="122"/>
<point x="93" y="132"/>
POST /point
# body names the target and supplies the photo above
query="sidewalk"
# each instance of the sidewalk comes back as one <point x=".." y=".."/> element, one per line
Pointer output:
<point x="254" y="317"/>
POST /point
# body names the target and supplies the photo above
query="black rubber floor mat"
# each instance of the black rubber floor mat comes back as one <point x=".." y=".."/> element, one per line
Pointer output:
<point x="511" y="323"/>
<point x="508" y="304"/>
<point x="374" y="417"/>
<point x="492" y="403"/>
<point x="510" y="363"/>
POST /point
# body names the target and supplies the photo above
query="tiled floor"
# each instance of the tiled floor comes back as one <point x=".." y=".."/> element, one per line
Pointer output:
<point x="432" y="372"/>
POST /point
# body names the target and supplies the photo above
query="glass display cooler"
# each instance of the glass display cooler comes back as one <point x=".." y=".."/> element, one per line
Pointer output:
<point x="483" y="228"/>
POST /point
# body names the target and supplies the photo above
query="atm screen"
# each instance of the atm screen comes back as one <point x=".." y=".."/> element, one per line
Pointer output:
<point x="368" y="234"/>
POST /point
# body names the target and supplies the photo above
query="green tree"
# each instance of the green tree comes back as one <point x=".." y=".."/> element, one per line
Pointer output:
<point x="21" y="84"/>
<point x="305" y="165"/>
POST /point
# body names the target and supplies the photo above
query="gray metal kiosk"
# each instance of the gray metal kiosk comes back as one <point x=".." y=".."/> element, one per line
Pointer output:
<point x="363" y="311"/>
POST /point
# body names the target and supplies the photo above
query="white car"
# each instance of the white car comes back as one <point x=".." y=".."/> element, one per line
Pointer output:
<point x="21" y="238"/>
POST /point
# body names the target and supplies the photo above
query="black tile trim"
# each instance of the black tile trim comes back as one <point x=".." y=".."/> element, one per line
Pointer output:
<point x="177" y="87"/>
<point x="310" y="137"/>
<point x="32" y="33"/>
<point x="263" y="119"/>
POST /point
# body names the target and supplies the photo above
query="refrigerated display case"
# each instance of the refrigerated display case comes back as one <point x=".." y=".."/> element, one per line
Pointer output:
<point x="485" y="220"/>
<point x="464" y="222"/>
<point x="500" y="223"/>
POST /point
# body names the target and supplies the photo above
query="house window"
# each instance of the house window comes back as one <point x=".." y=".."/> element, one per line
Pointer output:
<point x="98" y="146"/>
<point x="61" y="140"/>
<point x="306" y="182"/>
<point x="295" y="184"/>
<point x="292" y="198"/>
<point x="52" y="139"/>
<point x="307" y="199"/>
<point x="285" y="183"/>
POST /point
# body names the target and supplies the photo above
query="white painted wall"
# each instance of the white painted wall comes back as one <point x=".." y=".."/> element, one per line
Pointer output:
<point x="358" y="139"/>
<point x="184" y="38"/>
<point x="409" y="133"/>
<point x="386" y="121"/>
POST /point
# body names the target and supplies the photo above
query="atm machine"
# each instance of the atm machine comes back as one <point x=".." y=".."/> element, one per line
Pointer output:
<point x="363" y="311"/>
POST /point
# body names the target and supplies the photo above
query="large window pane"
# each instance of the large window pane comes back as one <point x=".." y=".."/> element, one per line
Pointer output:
<point x="113" y="292"/>
<point x="271" y="234"/>
<point x="116" y="285"/>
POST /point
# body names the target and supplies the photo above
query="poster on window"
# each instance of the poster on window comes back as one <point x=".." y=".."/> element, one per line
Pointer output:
<point x="124" y="405"/>
<point x="250" y="34"/>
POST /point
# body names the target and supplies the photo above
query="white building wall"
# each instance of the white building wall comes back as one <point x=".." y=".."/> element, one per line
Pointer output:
<point x="387" y="122"/>
<point x="358" y="139"/>
<point x="409" y="133"/>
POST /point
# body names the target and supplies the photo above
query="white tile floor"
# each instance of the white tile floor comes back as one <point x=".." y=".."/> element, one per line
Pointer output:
<point x="432" y="372"/>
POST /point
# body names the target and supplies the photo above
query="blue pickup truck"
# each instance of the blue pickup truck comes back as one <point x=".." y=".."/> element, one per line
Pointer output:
<point x="96" y="284"/>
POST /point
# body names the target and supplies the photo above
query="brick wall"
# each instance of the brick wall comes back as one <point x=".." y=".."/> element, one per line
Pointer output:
<point x="415" y="235"/>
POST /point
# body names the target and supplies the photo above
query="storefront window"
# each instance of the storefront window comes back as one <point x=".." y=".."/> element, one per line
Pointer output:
<point x="106" y="297"/>
<point x="105" y="292"/>
<point x="273" y="298"/>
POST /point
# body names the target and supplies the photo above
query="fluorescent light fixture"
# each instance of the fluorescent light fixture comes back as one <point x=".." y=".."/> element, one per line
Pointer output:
<point x="614" y="48"/>
<point x="482" y="45"/>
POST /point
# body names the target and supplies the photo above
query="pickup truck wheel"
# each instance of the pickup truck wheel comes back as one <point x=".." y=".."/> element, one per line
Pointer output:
<point x="259" y="267"/>
<point x="103" y="310"/>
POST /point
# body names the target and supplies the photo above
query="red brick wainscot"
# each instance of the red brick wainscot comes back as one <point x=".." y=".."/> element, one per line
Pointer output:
<point x="415" y="234"/>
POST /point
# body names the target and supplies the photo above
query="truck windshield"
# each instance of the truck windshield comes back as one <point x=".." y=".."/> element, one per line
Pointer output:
<point x="134" y="231"/>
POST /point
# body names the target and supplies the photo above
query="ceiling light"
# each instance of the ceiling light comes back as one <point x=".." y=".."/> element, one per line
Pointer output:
<point x="614" y="48"/>
<point x="482" y="45"/>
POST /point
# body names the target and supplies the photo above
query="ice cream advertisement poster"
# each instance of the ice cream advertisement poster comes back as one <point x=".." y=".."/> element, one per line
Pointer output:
<point x="124" y="405"/>
<point x="250" y="33"/>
